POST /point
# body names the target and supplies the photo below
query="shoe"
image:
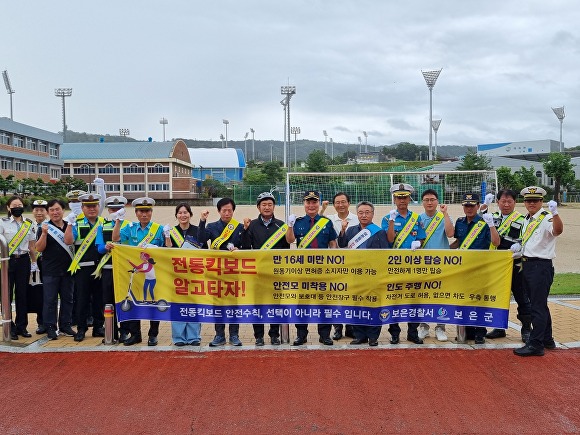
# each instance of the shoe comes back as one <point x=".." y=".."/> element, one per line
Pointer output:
<point x="235" y="340"/>
<point x="41" y="330"/>
<point x="67" y="331"/>
<point x="326" y="341"/>
<point x="25" y="334"/>
<point x="152" y="341"/>
<point x="179" y="343"/>
<point x="373" y="342"/>
<point x="80" y="336"/>
<point x="123" y="337"/>
<point x="359" y="341"/>
<point x="479" y="340"/>
<point x="415" y="340"/>
<point x="394" y="339"/>
<point x="299" y="341"/>
<point x="337" y="335"/>
<point x="99" y="332"/>
<point x="496" y="333"/>
<point x="529" y="350"/>
<point x="196" y="343"/>
<point x="133" y="339"/>
<point x="440" y="334"/>
<point x="13" y="335"/>
<point x="423" y="332"/>
<point x="259" y="341"/>
<point x="550" y="344"/>
<point x="275" y="341"/>
<point x="51" y="334"/>
<point x="218" y="340"/>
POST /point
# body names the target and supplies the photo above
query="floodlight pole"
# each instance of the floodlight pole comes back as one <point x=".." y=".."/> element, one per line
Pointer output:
<point x="289" y="91"/>
<point x="430" y="78"/>
<point x="124" y="132"/>
<point x="325" y="137"/>
<point x="366" y="137"/>
<point x="560" y="114"/>
<point x="253" y="149"/>
<point x="245" y="147"/>
<point x="226" y="122"/>
<point x="222" y="137"/>
<point x="163" y="121"/>
<point x="359" y="145"/>
<point x="295" y="131"/>
<point x="331" y="149"/>
<point x="63" y="93"/>
<point x="9" y="90"/>
<point x="435" y="125"/>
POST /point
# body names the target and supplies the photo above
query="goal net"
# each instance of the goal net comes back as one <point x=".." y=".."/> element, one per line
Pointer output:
<point x="375" y="186"/>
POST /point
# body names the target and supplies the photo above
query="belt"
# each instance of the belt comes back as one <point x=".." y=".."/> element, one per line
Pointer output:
<point x="25" y="254"/>
<point x="87" y="263"/>
<point x="535" y="259"/>
<point x="108" y="266"/>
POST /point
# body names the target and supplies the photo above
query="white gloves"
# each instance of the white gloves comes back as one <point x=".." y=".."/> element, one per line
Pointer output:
<point x="516" y="248"/>
<point x="99" y="182"/>
<point x="71" y="218"/>
<point x="415" y="244"/>
<point x="553" y="207"/>
<point x="76" y="207"/>
<point x="291" y="220"/>
<point x="119" y="215"/>
<point x="231" y="247"/>
<point x="488" y="218"/>
<point x="392" y="215"/>
<point x="166" y="231"/>
<point x="488" y="199"/>
<point x="34" y="267"/>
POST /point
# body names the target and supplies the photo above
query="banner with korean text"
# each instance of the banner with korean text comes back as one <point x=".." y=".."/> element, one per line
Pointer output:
<point x="358" y="286"/>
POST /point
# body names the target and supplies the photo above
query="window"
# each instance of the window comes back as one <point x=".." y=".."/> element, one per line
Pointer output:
<point x="44" y="169"/>
<point x="19" y="166"/>
<point x="53" y="151"/>
<point x="133" y="169"/>
<point x="65" y="171"/>
<point x="109" y="169"/>
<point x="31" y="145"/>
<point x="6" y="164"/>
<point x="159" y="187"/>
<point x="112" y="187"/>
<point x="18" y="142"/>
<point x="54" y="173"/>
<point x="4" y="139"/>
<point x="133" y="187"/>
<point x="84" y="169"/>
<point x="32" y="167"/>
<point x="158" y="169"/>
<point x="43" y="146"/>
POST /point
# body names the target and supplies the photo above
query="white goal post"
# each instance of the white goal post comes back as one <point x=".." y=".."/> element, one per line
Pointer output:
<point x="375" y="186"/>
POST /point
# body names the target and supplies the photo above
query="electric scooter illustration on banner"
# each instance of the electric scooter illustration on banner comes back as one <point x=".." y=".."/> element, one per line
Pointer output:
<point x="131" y="300"/>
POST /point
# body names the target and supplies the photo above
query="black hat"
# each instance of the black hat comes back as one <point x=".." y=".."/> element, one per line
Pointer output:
<point x="311" y="194"/>
<point x="470" y="199"/>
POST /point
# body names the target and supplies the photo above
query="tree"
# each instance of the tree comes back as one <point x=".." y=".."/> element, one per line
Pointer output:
<point x="317" y="161"/>
<point x="474" y="162"/>
<point x="273" y="172"/>
<point x="525" y="177"/>
<point x="7" y="184"/>
<point x="558" y="166"/>
<point x="505" y="178"/>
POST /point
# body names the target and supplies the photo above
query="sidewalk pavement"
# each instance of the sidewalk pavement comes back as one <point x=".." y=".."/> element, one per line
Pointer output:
<point x="565" y="312"/>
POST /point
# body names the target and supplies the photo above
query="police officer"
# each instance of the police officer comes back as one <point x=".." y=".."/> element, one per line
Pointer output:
<point x="538" y="248"/>
<point x="265" y="232"/>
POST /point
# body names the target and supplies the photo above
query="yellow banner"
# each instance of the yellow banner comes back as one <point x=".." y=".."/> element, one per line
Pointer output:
<point x="360" y="286"/>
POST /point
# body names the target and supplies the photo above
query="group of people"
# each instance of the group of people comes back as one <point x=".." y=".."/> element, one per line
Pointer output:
<point x="73" y="255"/>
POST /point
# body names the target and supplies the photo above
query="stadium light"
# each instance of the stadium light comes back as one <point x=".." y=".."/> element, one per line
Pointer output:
<point x="222" y="137"/>
<point x="366" y="137"/>
<point x="288" y="91"/>
<point x="325" y="136"/>
<point x="245" y="147"/>
<point x="63" y="93"/>
<point x="435" y="125"/>
<point x="559" y="112"/>
<point x="430" y="78"/>
<point x="124" y="132"/>
<point x="295" y="131"/>
<point x="226" y="123"/>
<point x="359" y="145"/>
<point x="163" y="121"/>
<point x="9" y="90"/>
<point x="253" y="149"/>
<point x="331" y="149"/>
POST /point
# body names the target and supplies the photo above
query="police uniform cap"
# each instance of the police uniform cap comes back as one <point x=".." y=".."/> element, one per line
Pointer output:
<point x="470" y="199"/>
<point x="533" y="192"/>
<point x="73" y="195"/>
<point x="115" y="202"/>
<point x="89" y="198"/>
<point x="311" y="194"/>
<point x="39" y="203"/>
<point x="143" y="203"/>
<point x="402" y="189"/>
<point x="265" y="195"/>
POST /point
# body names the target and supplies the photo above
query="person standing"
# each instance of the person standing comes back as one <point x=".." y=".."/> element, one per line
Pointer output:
<point x="265" y="232"/>
<point x="57" y="281"/>
<point x="40" y="214"/>
<point x="365" y="235"/>
<point x="183" y="235"/>
<point x="225" y="235"/>
<point x="142" y="233"/>
<point x="538" y="248"/>
<point x="311" y="232"/>
<point x="508" y="223"/>
<point x="474" y="232"/>
<point x="19" y="234"/>
<point x="404" y="231"/>
<point x="438" y="228"/>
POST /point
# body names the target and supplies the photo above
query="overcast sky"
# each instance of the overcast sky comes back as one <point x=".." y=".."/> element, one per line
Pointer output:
<point x="356" y="66"/>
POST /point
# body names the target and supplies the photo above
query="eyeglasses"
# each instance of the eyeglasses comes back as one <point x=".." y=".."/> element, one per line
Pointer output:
<point x="532" y="200"/>
<point x="469" y="205"/>
<point x="364" y="213"/>
<point x="429" y="199"/>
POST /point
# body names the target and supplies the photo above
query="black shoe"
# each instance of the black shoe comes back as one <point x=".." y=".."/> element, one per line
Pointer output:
<point x="496" y="333"/>
<point x="394" y="339"/>
<point x="275" y="341"/>
<point x="337" y="335"/>
<point x="51" y="333"/>
<point x="479" y="340"/>
<point x="98" y="332"/>
<point x="134" y="339"/>
<point x="68" y="331"/>
<point x="415" y="340"/>
<point x="179" y="343"/>
<point x="326" y="341"/>
<point x="13" y="335"/>
<point x="25" y="334"/>
<point x="259" y="341"/>
<point x="41" y="330"/>
<point x="299" y="341"/>
<point x="196" y="343"/>
<point x="528" y="350"/>
<point x="550" y="344"/>
<point x="123" y="337"/>
<point x="152" y="341"/>
<point x="359" y="341"/>
<point x="373" y="342"/>
<point x="80" y="336"/>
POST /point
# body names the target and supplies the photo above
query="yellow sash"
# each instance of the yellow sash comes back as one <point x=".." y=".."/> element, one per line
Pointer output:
<point x="402" y="235"/>
<point x="470" y="238"/>
<point x="149" y="236"/>
<point x="226" y="234"/>
<point x="85" y="245"/>
<point x="433" y="225"/>
<point x="532" y="227"/>
<point x="97" y="273"/>
<point x="506" y="224"/>
<point x="311" y="235"/>
<point x="19" y="236"/>
<point x="176" y="236"/>
<point x="274" y="238"/>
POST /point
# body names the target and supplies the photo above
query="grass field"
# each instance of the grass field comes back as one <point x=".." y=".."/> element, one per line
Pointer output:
<point x="566" y="284"/>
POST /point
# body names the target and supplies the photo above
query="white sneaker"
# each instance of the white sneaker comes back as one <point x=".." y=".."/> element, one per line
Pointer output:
<point x="441" y="335"/>
<point x="423" y="332"/>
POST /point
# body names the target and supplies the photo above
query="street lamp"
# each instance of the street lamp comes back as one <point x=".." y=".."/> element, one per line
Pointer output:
<point x="366" y="137"/>
<point x="430" y="78"/>
<point x="435" y="125"/>
<point x="289" y="91"/>
<point x="295" y="131"/>
<point x="226" y="122"/>
<point x="124" y="132"/>
<point x="253" y="149"/>
<point x="9" y="90"/>
<point x="325" y="136"/>
<point x="245" y="147"/>
<point x="222" y="139"/>
<point x="163" y="121"/>
<point x="559" y="112"/>
<point x="63" y="93"/>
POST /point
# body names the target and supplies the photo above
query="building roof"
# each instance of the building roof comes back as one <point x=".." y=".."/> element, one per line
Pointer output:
<point x="217" y="157"/>
<point x="7" y="124"/>
<point x="117" y="150"/>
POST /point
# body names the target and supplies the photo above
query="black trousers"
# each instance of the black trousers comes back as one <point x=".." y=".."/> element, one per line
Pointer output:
<point x="88" y="288"/>
<point x="323" y="330"/>
<point x="134" y="327"/>
<point x="538" y="275"/>
<point x="364" y="331"/>
<point x="18" y="276"/>
<point x="220" y="329"/>
<point x="395" y="329"/>
<point x="273" y="332"/>
<point x="522" y="299"/>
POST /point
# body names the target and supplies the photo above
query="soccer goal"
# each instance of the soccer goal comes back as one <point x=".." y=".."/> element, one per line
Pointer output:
<point x="375" y="186"/>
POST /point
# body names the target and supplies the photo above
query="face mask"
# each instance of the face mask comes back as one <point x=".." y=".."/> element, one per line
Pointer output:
<point x="75" y="207"/>
<point x="17" y="211"/>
